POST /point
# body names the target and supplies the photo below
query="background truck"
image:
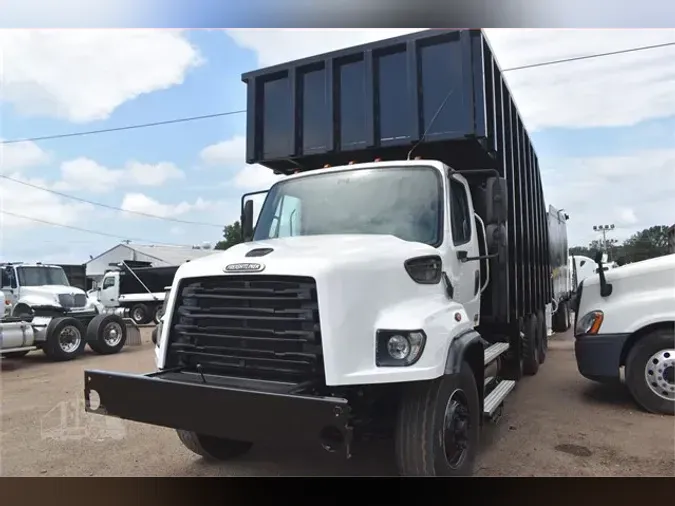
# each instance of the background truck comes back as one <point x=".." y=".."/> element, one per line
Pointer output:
<point x="561" y="279"/>
<point x="626" y="319"/>
<point x="136" y="291"/>
<point x="48" y="314"/>
<point x="395" y="282"/>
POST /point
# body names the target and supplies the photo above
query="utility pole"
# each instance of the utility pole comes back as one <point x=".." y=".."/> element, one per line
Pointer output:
<point x="604" y="229"/>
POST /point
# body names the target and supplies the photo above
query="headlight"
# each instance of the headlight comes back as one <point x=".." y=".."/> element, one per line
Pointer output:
<point x="399" y="348"/>
<point x="425" y="270"/>
<point x="590" y="323"/>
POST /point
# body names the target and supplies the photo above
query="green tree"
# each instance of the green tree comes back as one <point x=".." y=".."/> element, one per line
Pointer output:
<point x="231" y="236"/>
<point x="649" y="243"/>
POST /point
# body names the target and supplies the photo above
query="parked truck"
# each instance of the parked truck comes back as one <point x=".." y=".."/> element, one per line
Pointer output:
<point x="561" y="279"/>
<point x="138" y="292"/>
<point x="396" y="280"/>
<point x="46" y="313"/>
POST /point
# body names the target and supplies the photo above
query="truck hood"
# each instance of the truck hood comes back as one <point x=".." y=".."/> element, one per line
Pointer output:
<point x="310" y="255"/>
<point x="654" y="269"/>
<point x="49" y="290"/>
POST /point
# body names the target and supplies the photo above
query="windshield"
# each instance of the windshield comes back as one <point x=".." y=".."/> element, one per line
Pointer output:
<point x="39" y="276"/>
<point x="402" y="201"/>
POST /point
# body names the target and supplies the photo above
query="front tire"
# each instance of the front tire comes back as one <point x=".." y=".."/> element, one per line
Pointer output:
<point x="650" y="369"/>
<point x="106" y="334"/>
<point x="438" y="426"/>
<point x="213" y="448"/>
<point x="65" y="339"/>
<point x="543" y="336"/>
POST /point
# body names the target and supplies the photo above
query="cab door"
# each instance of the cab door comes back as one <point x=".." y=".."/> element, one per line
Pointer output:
<point x="110" y="290"/>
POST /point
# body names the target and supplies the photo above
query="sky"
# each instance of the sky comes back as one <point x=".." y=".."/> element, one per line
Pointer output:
<point x="603" y="129"/>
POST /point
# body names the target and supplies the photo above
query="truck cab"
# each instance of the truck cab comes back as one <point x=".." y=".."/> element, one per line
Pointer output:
<point x="626" y="319"/>
<point x="41" y="289"/>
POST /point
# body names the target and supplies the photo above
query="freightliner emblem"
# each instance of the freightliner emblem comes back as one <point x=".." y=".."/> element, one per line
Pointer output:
<point x="246" y="267"/>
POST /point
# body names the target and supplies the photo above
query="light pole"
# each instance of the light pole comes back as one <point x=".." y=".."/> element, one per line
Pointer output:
<point x="604" y="229"/>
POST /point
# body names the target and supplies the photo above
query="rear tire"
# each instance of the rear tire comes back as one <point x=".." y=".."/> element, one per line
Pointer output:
<point x="543" y="336"/>
<point x="213" y="448"/>
<point x="649" y="372"/>
<point x="65" y="339"/>
<point x="530" y="346"/>
<point x="159" y="312"/>
<point x="140" y="314"/>
<point x="437" y="427"/>
<point x="106" y="334"/>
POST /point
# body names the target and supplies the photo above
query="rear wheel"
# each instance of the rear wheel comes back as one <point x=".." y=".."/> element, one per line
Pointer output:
<point x="159" y="312"/>
<point x="650" y="372"/>
<point x="437" y="426"/>
<point x="530" y="346"/>
<point x="543" y="336"/>
<point x="106" y="334"/>
<point x="65" y="339"/>
<point x="213" y="448"/>
<point x="140" y="314"/>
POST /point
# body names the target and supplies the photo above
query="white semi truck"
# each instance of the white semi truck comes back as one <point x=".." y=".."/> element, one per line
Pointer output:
<point x="626" y="320"/>
<point x="378" y="293"/>
<point x="45" y="312"/>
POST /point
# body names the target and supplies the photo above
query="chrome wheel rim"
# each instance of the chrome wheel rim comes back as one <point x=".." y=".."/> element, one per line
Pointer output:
<point x="660" y="374"/>
<point x="137" y="314"/>
<point x="70" y="339"/>
<point x="456" y="429"/>
<point x="112" y="334"/>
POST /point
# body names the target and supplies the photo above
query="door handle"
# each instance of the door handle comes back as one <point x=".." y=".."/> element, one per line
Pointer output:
<point x="476" y="286"/>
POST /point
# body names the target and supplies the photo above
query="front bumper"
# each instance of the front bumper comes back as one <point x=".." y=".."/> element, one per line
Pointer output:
<point x="599" y="356"/>
<point x="222" y="407"/>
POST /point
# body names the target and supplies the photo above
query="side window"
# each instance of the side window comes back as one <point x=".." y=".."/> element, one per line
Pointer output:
<point x="286" y="222"/>
<point x="461" y="215"/>
<point x="5" y="282"/>
<point x="108" y="282"/>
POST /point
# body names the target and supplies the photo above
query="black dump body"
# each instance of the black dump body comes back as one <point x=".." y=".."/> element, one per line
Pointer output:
<point x="155" y="278"/>
<point x="377" y="101"/>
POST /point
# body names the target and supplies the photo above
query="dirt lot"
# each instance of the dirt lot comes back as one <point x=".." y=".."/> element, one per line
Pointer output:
<point x="556" y="424"/>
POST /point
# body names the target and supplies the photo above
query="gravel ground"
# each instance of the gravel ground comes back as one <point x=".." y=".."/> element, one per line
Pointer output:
<point x="556" y="424"/>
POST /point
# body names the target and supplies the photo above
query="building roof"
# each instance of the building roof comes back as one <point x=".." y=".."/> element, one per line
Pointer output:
<point x="169" y="255"/>
<point x="172" y="255"/>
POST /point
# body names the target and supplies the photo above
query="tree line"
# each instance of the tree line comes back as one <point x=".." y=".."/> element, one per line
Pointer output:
<point x="649" y="243"/>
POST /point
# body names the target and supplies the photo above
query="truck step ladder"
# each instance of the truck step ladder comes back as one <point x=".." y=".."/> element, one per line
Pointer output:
<point x="497" y="396"/>
<point x="494" y="351"/>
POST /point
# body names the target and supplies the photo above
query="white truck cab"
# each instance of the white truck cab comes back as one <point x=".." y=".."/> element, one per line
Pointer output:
<point x="626" y="318"/>
<point x="41" y="288"/>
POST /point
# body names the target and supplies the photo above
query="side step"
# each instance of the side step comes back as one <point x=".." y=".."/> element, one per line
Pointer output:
<point x="497" y="396"/>
<point x="494" y="351"/>
<point x="21" y="348"/>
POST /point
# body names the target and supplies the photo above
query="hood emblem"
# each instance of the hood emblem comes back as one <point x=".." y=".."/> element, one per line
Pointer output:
<point x="244" y="267"/>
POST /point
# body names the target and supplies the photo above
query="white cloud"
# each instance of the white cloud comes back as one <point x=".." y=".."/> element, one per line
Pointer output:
<point x="140" y="203"/>
<point x="231" y="154"/>
<point x="84" y="75"/>
<point x="633" y="192"/>
<point x="610" y="91"/>
<point x="22" y="155"/>
<point x="89" y="175"/>
<point x="22" y="200"/>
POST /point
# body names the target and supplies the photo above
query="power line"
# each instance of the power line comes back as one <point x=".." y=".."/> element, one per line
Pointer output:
<point x="87" y="230"/>
<point x="106" y="206"/>
<point x="229" y="113"/>
<point x="127" y="127"/>
<point x="588" y="57"/>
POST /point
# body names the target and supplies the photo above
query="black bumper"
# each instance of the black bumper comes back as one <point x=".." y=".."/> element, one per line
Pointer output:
<point x="221" y="407"/>
<point x="599" y="357"/>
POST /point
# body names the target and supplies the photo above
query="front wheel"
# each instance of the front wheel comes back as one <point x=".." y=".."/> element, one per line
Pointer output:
<point x="438" y="426"/>
<point x="650" y="371"/>
<point x="213" y="448"/>
<point x="530" y="346"/>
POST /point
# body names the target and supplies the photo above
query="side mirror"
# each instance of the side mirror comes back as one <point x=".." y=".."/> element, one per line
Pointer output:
<point x="247" y="221"/>
<point x="496" y="201"/>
